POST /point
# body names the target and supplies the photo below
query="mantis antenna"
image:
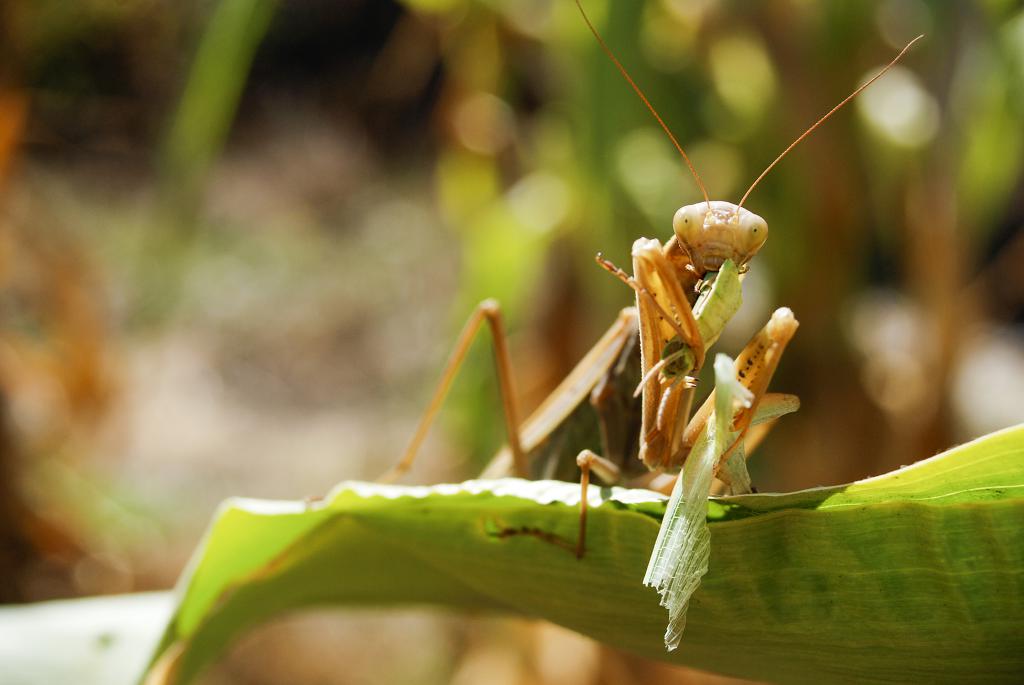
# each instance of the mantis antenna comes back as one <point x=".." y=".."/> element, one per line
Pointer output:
<point x="820" y="121"/>
<point x="647" y="102"/>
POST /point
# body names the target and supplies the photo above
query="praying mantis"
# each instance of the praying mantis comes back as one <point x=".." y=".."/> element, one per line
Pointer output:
<point x="624" y="414"/>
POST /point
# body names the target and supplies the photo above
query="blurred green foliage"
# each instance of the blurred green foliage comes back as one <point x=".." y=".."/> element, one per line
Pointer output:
<point x="216" y="79"/>
<point x="326" y="189"/>
<point x="241" y="229"/>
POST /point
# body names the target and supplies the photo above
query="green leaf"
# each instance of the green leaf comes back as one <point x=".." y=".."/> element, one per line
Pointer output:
<point x="917" y="575"/>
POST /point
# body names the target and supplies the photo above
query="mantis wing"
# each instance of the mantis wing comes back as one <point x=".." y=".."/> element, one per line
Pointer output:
<point x="548" y="436"/>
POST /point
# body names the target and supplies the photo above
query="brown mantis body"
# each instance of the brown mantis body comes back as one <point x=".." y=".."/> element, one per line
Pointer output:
<point x="660" y="344"/>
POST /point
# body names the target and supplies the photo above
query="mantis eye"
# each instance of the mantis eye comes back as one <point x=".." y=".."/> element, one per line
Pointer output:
<point x="687" y="221"/>
<point x="756" y="233"/>
<point x="759" y="228"/>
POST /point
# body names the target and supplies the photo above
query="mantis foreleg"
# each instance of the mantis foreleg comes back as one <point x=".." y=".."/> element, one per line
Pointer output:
<point x="668" y="393"/>
<point x="754" y="368"/>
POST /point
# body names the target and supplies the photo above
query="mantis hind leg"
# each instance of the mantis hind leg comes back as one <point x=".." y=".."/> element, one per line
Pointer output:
<point x="608" y="472"/>
<point x="618" y="417"/>
<point x="488" y="312"/>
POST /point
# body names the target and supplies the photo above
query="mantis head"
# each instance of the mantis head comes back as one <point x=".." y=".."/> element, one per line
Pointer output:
<point x="712" y="232"/>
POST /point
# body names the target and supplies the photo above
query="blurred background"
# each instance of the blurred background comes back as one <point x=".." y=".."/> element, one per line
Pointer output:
<point x="238" y="237"/>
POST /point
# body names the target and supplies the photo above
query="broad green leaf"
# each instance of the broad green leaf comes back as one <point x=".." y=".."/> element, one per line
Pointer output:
<point x="917" y="575"/>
